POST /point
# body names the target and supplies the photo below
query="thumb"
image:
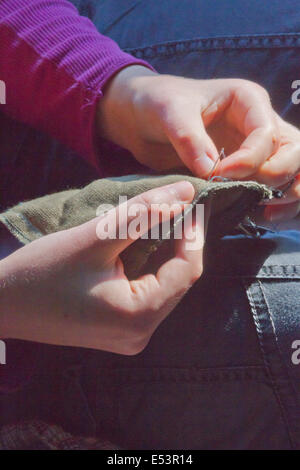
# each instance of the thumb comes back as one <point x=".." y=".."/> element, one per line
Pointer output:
<point x="122" y="225"/>
<point x="192" y="143"/>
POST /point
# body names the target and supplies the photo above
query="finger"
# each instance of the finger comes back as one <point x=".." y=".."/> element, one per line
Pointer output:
<point x="292" y="195"/>
<point x="191" y="141"/>
<point x="189" y="255"/>
<point x="161" y="293"/>
<point x="252" y="115"/>
<point x="281" y="167"/>
<point x="178" y="274"/>
<point x="282" y="213"/>
<point x="119" y="227"/>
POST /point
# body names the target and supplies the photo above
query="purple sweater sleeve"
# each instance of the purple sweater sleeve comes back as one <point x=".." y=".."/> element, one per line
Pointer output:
<point x="55" y="64"/>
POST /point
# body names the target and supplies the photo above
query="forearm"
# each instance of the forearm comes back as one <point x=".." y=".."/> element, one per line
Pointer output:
<point x="21" y="356"/>
<point x="8" y="296"/>
<point x="5" y="301"/>
<point x="55" y="64"/>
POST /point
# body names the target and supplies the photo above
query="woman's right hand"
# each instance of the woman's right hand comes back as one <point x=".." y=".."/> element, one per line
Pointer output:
<point x="69" y="288"/>
<point x="167" y="121"/>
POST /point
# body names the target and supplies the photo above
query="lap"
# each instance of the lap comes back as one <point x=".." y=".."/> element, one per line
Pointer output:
<point x="218" y="373"/>
<point x="223" y="356"/>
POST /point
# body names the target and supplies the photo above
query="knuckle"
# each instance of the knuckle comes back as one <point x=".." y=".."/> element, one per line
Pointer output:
<point x="269" y="132"/>
<point x="183" y="138"/>
<point x="164" y="102"/>
<point x="163" y="105"/>
<point x="252" y="87"/>
<point x="257" y="88"/>
<point x="243" y="83"/>
<point x="186" y="141"/>
<point x="261" y="91"/>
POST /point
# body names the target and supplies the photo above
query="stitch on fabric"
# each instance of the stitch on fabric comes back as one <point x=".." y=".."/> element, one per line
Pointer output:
<point x="191" y="375"/>
<point x="288" y="40"/>
<point x="14" y="229"/>
<point x="266" y="277"/>
<point x="251" y="230"/>
<point x="266" y="359"/>
<point x="276" y="337"/>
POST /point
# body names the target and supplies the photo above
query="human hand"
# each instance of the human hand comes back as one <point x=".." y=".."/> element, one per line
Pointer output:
<point x="168" y="121"/>
<point x="69" y="288"/>
<point x="281" y="170"/>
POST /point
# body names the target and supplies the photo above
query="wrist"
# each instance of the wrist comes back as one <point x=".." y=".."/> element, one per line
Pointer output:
<point x="9" y="244"/>
<point x="115" y="113"/>
<point x="5" y="300"/>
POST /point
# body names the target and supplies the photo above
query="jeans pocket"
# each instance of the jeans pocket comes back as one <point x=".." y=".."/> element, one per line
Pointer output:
<point x="275" y="303"/>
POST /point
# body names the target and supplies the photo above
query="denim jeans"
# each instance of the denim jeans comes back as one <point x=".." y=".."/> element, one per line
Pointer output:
<point x="218" y="373"/>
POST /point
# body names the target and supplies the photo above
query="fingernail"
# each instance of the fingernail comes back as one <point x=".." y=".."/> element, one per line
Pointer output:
<point x="204" y="165"/>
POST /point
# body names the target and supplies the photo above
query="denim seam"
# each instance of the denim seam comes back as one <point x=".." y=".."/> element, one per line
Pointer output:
<point x="281" y="356"/>
<point x="275" y="334"/>
<point x="288" y="40"/>
<point x="279" y="277"/>
<point x="282" y="272"/>
<point x="269" y="347"/>
<point x="129" y="376"/>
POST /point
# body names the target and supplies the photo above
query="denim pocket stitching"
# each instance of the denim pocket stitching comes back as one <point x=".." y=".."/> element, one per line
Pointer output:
<point x="272" y="356"/>
<point x="274" y="41"/>
<point x="272" y="271"/>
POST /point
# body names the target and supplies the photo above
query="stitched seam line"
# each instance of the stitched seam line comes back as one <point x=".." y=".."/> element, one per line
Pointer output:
<point x="14" y="230"/>
<point x="266" y="358"/>
<point x="289" y="40"/>
<point x="275" y="332"/>
<point x="131" y="376"/>
<point x="286" y="272"/>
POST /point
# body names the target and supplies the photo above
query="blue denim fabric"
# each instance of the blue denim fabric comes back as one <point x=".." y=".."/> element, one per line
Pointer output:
<point x="218" y="373"/>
